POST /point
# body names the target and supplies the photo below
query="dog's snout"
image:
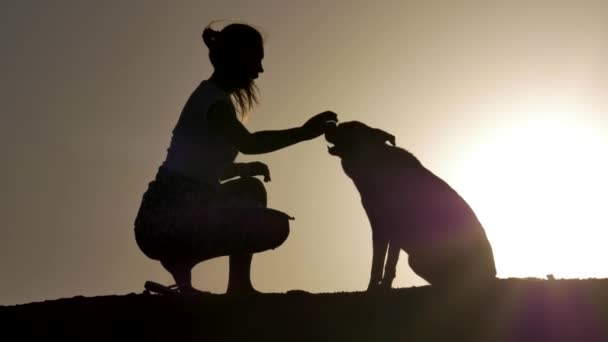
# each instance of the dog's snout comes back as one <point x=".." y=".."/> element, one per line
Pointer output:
<point x="330" y="134"/>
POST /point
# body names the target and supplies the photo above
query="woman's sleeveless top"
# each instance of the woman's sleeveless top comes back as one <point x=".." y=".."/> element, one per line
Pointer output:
<point x="195" y="151"/>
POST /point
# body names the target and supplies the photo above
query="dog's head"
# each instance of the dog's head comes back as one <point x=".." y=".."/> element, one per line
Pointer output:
<point x="353" y="138"/>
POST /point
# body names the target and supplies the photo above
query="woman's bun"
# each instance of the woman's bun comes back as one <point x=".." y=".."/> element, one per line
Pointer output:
<point x="210" y="37"/>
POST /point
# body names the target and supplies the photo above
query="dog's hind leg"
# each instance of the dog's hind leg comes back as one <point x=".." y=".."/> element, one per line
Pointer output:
<point x="390" y="268"/>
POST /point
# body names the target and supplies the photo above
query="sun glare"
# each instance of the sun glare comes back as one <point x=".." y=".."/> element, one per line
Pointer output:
<point x="539" y="187"/>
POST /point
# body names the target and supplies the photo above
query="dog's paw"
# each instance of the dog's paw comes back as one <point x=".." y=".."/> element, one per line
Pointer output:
<point x="378" y="288"/>
<point x="386" y="284"/>
<point x="381" y="286"/>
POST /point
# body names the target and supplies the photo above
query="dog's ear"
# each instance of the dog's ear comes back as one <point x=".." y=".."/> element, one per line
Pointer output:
<point x="384" y="136"/>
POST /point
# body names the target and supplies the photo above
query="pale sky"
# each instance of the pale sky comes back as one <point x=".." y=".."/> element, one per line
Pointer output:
<point x="505" y="100"/>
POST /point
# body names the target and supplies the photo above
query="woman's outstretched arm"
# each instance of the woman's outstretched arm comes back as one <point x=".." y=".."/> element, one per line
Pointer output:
<point x="222" y="118"/>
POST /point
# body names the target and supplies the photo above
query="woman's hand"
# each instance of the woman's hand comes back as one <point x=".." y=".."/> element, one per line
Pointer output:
<point x="254" y="169"/>
<point x="318" y="124"/>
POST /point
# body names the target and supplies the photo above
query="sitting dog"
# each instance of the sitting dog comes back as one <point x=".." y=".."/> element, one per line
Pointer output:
<point x="411" y="208"/>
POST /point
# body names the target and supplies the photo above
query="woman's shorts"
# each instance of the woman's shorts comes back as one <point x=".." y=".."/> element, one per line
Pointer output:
<point x="180" y="218"/>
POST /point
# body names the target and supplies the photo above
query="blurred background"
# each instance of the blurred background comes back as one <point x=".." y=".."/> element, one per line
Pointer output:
<point x="505" y="100"/>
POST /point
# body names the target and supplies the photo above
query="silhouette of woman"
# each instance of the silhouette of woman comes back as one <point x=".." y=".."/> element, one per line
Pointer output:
<point x="194" y="210"/>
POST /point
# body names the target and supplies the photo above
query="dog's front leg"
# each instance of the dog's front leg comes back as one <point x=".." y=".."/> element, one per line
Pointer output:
<point x="379" y="245"/>
<point x="390" y="269"/>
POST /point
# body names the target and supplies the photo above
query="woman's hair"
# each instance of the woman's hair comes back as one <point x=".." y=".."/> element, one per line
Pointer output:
<point x="227" y="49"/>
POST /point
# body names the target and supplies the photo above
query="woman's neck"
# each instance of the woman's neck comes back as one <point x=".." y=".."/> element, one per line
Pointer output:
<point x="223" y="83"/>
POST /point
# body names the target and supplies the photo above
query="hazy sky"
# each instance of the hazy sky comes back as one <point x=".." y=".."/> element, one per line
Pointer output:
<point x="504" y="100"/>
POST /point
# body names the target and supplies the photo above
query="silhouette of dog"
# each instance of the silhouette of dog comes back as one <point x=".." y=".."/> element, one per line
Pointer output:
<point x="411" y="208"/>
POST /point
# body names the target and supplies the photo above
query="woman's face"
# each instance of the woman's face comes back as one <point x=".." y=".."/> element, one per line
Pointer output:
<point x="248" y="67"/>
<point x="252" y="63"/>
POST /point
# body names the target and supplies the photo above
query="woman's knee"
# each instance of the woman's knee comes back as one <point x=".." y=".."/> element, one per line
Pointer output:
<point x="280" y="232"/>
<point x="255" y="188"/>
<point x="275" y="231"/>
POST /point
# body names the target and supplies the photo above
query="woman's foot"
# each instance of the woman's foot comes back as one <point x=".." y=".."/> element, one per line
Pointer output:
<point x="242" y="290"/>
<point x="181" y="273"/>
<point x="189" y="290"/>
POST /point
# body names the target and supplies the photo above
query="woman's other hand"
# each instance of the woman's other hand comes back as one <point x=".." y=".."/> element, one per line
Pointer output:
<point x="255" y="169"/>
<point x="318" y="124"/>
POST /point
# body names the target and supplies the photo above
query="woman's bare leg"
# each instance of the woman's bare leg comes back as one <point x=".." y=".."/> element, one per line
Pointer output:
<point x="252" y="192"/>
<point x="245" y="230"/>
<point x="239" y="278"/>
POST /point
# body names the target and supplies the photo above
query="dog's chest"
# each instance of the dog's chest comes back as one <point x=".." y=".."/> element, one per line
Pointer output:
<point x="371" y="180"/>
<point x="377" y="191"/>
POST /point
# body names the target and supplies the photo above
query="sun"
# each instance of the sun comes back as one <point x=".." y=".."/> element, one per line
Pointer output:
<point x="539" y="185"/>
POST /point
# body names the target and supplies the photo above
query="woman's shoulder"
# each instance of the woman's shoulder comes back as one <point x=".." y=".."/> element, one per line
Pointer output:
<point x="209" y="89"/>
<point x="206" y="94"/>
<point x="211" y="97"/>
